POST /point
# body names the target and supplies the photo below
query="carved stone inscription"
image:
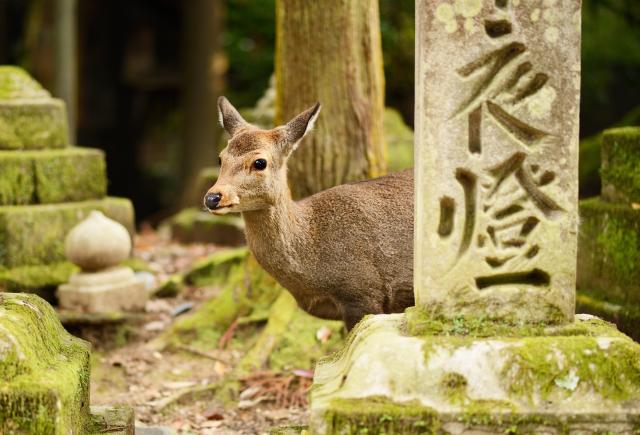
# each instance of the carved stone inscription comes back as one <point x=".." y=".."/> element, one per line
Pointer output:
<point x="496" y="158"/>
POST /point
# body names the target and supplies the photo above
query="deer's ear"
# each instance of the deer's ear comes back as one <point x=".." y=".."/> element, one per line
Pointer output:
<point x="299" y="126"/>
<point x="230" y="119"/>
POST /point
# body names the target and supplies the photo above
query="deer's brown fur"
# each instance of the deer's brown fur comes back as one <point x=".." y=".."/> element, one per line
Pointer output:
<point x="342" y="253"/>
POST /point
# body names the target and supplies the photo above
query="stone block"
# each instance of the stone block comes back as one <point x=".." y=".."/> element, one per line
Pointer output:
<point x="29" y="117"/>
<point x="110" y="290"/>
<point x="192" y="225"/>
<point x="114" y="420"/>
<point x="609" y="252"/>
<point x="498" y="86"/>
<point x="44" y="371"/>
<point x="620" y="171"/>
<point x="41" y="279"/>
<point x="52" y="176"/>
<point x="478" y="377"/>
<point x="626" y="317"/>
<point x="34" y="234"/>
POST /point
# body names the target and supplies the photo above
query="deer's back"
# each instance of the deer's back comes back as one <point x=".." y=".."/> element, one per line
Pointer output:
<point x="362" y="240"/>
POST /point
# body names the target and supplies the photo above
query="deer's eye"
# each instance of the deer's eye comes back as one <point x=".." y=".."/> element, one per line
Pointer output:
<point x="260" y="164"/>
<point x="219" y="161"/>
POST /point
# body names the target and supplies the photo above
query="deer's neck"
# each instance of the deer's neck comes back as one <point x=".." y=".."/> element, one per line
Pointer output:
<point x="274" y="233"/>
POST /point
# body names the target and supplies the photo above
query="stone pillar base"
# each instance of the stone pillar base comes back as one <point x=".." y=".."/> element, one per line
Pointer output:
<point x="113" y="289"/>
<point x="405" y="373"/>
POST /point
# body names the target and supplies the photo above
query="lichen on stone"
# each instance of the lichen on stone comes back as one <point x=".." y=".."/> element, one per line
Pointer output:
<point x="621" y="164"/>
<point x="16" y="83"/>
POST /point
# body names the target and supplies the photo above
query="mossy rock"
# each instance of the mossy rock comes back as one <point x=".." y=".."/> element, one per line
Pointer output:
<point x="609" y="252"/>
<point x="558" y="379"/>
<point x="192" y="225"/>
<point x="34" y="234"/>
<point x="621" y="165"/>
<point x="52" y="176"/>
<point x="114" y="420"/>
<point x="44" y="371"/>
<point x="41" y="280"/>
<point x="17" y="84"/>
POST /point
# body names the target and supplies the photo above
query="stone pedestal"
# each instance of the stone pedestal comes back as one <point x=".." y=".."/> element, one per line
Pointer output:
<point x="113" y="289"/>
<point x="408" y="374"/>
<point x="46" y="186"/>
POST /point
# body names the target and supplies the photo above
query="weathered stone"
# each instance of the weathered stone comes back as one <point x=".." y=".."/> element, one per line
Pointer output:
<point x="34" y="234"/>
<point x="116" y="420"/>
<point x="29" y="117"/>
<point x="51" y="176"/>
<point x="609" y="252"/>
<point x="496" y="158"/>
<point x="109" y="290"/>
<point x="483" y="378"/>
<point x="626" y="317"/>
<point x="97" y="243"/>
<point x="194" y="225"/>
<point x="621" y="165"/>
<point x="44" y="371"/>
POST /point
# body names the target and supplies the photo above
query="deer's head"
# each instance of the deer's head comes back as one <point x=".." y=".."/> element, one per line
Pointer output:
<point x="253" y="166"/>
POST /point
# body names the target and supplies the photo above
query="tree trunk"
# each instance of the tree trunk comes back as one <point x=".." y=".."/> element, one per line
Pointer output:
<point x="330" y="51"/>
<point x="202" y="85"/>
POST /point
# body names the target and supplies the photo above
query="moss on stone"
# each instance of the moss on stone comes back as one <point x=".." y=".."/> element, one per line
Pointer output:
<point x="621" y="165"/>
<point x="36" y="124"/>
<point x="73" y="174"/>
<point x="36" y="279"/>
<point x="194" y="225"/>
<point x="170" y="288"/>
<point x="609" y="251"/>
<point x="51" y="176"/>
<point x="34" y="234"/>
<point x="44" y="371"/>
<point x="626" y="317"/>
<point x="16" y="83"/>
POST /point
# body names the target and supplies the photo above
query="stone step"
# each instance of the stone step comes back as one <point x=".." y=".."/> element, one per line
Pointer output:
<point x="35" y="234"/>
<point x="621" y="165"/>
<point x="609" y="252"/>
<point x="44" y="370"/>
<point x="29" y="117"/>
<point x="52" y="176"/>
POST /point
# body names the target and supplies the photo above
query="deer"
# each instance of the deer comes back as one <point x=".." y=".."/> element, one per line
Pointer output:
<point x="342" y="253"/>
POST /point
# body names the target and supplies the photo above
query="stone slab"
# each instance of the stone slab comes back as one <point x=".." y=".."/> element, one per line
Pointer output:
<point x="625" y="317"/>
<point x="115" y="420"/>
<point x="620" y="170"/>
<point x="52" y="176"/>
<point x="44" y="371"/>
<point x="111" y="290"/>
<point x="34" y="234"/>
<point x="609" y="252"/>
<point x="41" y="280"/>
<point x="33" y="124"/>
<point x="192" y="225"/>
<point x="411" y="374"/>
<point x="497" y="92"/>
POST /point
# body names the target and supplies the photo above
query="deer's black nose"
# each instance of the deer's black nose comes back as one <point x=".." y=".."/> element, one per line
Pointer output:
<point x="212" y="200"/>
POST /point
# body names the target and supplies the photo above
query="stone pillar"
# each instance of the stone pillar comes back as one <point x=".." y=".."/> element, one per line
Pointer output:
<point x="497" y="101"/>
<point x="493" y="345"/>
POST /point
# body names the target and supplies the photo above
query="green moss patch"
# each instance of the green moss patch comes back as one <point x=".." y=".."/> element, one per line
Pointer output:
<point x="36" y="124"/>
<point x="16" y="83"/>
<point x="609" y="251"/>
<point x="42" y="279"/>
<point x="44" y="371"/>
<point x="621" y="165"/>
<point x="626" y="317"/>
<point x="51" y="176"/>
<point x="194" y="225"/>
<point x="34" y="234"/>
<point x="399" y="138"/>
